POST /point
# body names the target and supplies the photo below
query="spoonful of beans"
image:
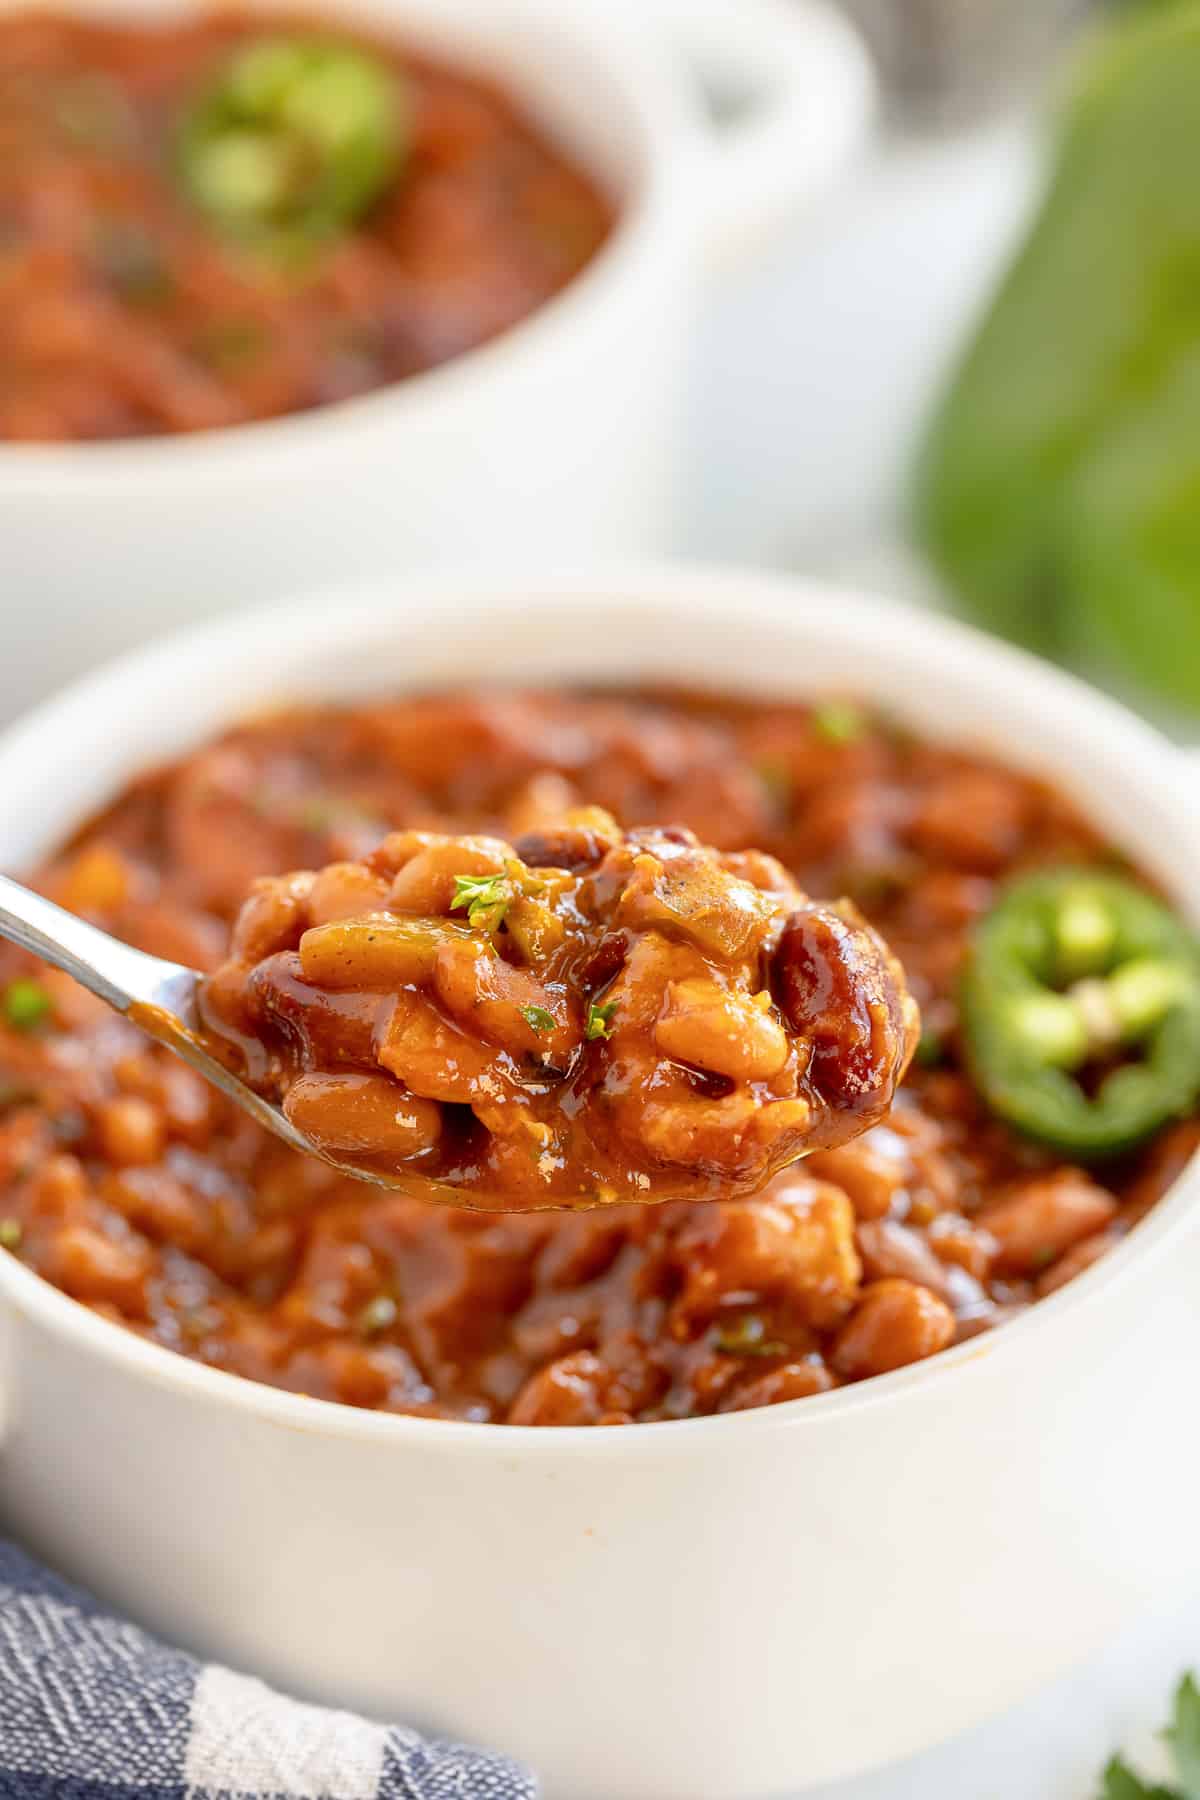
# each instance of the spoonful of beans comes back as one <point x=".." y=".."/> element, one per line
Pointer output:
<point x="581" y="1018"/>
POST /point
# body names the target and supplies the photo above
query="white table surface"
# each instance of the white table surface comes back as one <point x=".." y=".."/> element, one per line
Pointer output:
<point x="817" y="368"/>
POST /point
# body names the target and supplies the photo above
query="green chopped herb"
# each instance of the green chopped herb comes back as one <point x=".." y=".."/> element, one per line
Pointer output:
<point x="538" y="1019"/>
<point x="599" y="1019"/>
<point x="747" y="1337"/>
<point x="1120" y="1782"/>
<point x="839" y="721"/>
<point x="377" y="1315"/>
<point x="10" y="1233"/>
<point x="485" y="898"/>
<point x="26" y="1004"/>
<point x="930" y="1052"/>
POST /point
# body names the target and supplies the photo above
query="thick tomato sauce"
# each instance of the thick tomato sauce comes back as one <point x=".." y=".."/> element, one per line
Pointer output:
<point x="136" y="1189"/>
<point x="123" y="312"/>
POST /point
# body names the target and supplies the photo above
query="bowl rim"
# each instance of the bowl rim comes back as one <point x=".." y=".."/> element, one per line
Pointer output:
<point x="649" y="220"/>
<point x="707" y="591"/>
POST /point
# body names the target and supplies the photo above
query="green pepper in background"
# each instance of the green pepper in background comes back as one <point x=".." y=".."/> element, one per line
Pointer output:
<point x="1058" y="489"/>
<point x="1081" y="1011"/>
<point x="294" y="140"/>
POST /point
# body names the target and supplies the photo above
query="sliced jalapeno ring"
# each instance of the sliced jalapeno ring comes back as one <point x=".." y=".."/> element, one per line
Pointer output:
<point x="294" y="139"/>
<point x="1081" y="1011"/>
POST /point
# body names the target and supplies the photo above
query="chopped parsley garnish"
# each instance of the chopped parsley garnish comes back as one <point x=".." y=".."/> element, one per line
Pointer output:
<point x="377" y="1315"/>
<point x="26" y="1004"/>
<point x="537" y="1018"/>
<point x="10" y="1233"/>
<point x="747" y="1337"/>
<point x="1120" y="1782"/>
<point x="839" y="721"/>
<point x="485" y="898"/>
<point x="930" y="1052"/>
<point x="599" y="1019"/>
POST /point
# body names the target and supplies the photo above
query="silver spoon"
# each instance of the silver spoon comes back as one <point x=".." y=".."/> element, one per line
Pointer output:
<point x="160" y="998"/>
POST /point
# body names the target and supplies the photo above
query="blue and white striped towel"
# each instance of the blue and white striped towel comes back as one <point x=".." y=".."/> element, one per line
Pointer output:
<point x="92" y="1708"/>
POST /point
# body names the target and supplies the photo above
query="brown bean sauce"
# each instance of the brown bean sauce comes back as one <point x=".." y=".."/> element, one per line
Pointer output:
<point x="139" y="1191"/>
<point x="605" y="1018"/>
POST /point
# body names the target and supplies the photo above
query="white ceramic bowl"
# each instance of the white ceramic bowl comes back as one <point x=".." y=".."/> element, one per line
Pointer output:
<point x="567" y="430"/>
<point x="728" y="1608"/>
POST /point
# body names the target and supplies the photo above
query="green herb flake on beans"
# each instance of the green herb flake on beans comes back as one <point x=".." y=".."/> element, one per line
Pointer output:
<point x="26" y="1004"/>
<point x="600" y="1015"/>
<point x="484" y="898"/>
<point x="839" y="722"/>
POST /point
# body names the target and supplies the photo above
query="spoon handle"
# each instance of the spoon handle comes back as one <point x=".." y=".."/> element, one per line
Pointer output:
<point x="113" y="971"/>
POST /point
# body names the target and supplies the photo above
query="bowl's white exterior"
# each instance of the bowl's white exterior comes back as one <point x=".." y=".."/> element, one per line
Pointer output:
<point x="722" y="1609"/>
<point x="566" y="431"/>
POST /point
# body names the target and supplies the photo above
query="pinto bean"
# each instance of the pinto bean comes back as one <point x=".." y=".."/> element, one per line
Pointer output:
<point x="272" y="917"/>
<point x="962" y="1243"/>
<point x="726" y="1032"/>
<point x="379" y="951"/>
<point x="1043" y="1215"/>
<point x="888" y="1248"/>
<point x="874" y="1170"/>
<point x="973" y="818"/>
<point x="426" y="882"/>
<point x="345" y="890"/>
<point x="506" y="1006"/>
<point x="895" y="1322"/>
<point x="1074" y="1261"/>
<point x="93" y="1266"/>
<point x="362" y="1114"/>
<point x="132" y="1131"/>
<point x="795" y="1243"/>
<point x="432" y="1057"/>
<point x="790" y="1381"/>
<point x="570" y="1391"/>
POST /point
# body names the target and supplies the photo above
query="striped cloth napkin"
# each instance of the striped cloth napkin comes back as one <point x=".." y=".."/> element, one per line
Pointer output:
<point x="92" y="1708"/>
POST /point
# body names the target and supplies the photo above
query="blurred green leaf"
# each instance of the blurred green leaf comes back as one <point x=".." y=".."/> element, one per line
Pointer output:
<point x="1071" y="432"/>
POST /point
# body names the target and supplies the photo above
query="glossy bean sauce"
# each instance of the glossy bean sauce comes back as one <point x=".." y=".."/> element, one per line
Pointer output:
<point x="136" y="1189"/>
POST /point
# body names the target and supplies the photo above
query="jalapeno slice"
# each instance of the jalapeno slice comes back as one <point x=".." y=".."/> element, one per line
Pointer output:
<point x="1081" y="1011"/>
<point x="294" y="140"/>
